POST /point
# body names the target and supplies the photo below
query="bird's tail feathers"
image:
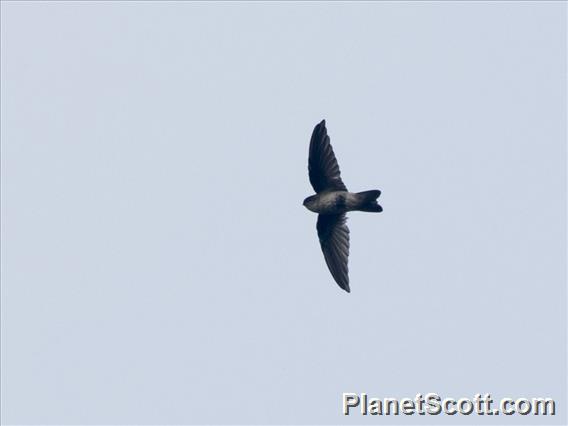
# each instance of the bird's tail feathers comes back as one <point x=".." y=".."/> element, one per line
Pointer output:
<point x="369" y="201"/>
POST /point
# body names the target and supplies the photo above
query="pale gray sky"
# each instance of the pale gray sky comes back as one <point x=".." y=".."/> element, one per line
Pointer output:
<point x="158" y="266"/>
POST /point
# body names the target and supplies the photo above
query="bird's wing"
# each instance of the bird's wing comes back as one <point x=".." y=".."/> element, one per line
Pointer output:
<point x="322" y="165"/>
<point x="333" y="234"/>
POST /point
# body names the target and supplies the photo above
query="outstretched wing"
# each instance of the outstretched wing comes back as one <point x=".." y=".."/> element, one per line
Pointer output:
<point x="333" y="234"/>
<point x="322" y="165"/>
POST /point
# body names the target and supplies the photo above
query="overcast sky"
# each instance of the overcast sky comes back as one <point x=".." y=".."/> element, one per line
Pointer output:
<point x="158" y="266"/>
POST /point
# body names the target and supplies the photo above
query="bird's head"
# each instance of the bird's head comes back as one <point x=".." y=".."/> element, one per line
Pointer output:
<point x="309" y="202"/>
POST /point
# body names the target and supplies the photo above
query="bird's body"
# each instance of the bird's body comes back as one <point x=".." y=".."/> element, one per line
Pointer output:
<point x="332" y="200"/>
<point x="337" y="202"/>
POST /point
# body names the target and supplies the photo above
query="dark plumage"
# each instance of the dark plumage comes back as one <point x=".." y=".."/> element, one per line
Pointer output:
<point x="332" y="201"/>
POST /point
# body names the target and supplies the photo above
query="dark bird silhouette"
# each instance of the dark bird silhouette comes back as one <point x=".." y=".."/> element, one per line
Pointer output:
<point x="332" y="201"/>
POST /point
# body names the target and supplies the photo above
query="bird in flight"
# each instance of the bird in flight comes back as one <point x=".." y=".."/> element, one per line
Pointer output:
<point x="332" y="200"/>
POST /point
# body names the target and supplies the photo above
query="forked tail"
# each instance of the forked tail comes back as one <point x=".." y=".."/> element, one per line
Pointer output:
<point x="369" y="201"/>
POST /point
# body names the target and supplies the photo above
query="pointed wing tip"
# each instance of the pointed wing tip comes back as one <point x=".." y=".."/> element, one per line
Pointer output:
<point x="347" y="289"/>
